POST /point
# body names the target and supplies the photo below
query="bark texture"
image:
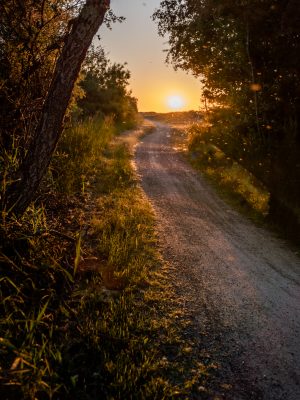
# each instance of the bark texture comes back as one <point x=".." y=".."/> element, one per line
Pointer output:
<point x="49" y="128"/>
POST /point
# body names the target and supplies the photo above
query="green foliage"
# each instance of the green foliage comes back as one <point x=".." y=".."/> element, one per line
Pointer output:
<point x="31" y="36"/>
<point x="74" y="164"/>
<point x="233" y="45"/>
<point x="205" y="154"/>
<point x="105" y="87"/>
<point x="35" y="285"/>
<point x="76" y="161"/>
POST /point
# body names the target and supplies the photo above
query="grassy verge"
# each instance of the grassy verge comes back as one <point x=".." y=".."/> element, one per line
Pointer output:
<point x="235" y="183"/>
<point x="87" y="310"/>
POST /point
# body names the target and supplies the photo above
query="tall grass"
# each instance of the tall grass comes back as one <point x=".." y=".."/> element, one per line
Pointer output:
<point x="38" y="279"/>
<point x="90" y="315"/>
<point x="74" y="164"/>
<point x="227" y="172"/>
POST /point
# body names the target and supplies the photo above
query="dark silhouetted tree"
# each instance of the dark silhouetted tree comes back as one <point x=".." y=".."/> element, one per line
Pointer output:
<point x="75" y="43"/>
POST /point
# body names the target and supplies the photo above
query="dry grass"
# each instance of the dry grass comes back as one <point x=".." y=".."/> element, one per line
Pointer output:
<point x="236" y="183"/>
<point x="86" y="305"/>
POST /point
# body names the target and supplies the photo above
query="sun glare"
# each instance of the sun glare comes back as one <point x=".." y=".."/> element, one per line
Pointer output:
<point x="175" y="102"/>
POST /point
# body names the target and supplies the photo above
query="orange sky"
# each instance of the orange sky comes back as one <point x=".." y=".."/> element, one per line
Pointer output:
<point x="136" y="42"/>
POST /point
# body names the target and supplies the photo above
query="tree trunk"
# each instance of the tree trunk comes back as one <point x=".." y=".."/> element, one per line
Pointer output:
<point x="49" y="128"/>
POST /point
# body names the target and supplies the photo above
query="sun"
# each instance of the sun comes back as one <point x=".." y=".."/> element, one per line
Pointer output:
<point x="175" y="101"/>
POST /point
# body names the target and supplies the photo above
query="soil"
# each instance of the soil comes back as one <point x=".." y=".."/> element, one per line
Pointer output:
<point x="239" y="284"/>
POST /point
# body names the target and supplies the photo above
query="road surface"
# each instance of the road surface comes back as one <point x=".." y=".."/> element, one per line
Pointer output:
<point x="240" y="284"/>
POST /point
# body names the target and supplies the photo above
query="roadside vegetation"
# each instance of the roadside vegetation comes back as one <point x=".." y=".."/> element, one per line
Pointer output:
<point x="86" y="308"/>
<point x="246" y="55"/>
<point x="235" y="181"/>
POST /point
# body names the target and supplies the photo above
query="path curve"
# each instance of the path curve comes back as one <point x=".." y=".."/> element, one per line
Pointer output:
<point x="240" y="285"/>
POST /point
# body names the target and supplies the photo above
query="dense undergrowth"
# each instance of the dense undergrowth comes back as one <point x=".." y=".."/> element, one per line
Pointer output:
<point x="86" y="308"/>
<point x="214" y="153"/>
<point x="226" y="171"/>
<point x="244" y="174"/>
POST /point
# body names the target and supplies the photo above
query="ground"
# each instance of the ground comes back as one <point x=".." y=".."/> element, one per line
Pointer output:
<point x="238" y="283"/>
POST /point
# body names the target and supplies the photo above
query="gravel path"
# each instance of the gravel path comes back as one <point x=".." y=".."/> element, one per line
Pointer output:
<point x="240" y="285"/>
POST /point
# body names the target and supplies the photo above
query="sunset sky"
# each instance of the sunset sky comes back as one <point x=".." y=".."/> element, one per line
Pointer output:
<point x="156" y="85"/>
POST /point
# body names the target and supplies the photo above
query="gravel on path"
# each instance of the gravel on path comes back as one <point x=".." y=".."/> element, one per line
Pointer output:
<point x="240" y="284"/>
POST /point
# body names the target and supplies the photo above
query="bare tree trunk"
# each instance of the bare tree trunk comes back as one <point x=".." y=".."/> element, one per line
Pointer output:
<point x="49" y="128"/>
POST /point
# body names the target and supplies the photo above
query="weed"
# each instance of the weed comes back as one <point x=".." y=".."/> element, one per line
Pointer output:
<point x="103" y="331"/>
<point x="73" y="166"/>
<point x="234" y="180"/>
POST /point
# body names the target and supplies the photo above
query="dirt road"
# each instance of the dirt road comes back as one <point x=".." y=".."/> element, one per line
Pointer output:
<point x="239" y="284"/>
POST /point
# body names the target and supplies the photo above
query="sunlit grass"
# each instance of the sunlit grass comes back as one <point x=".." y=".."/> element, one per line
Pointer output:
<point x="74" y="164"/>
<point x="228" y="173"/>
<point x="69" y="332"/>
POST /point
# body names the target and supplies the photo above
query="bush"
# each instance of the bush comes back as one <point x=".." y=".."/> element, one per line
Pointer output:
<point x="75" y="162"/>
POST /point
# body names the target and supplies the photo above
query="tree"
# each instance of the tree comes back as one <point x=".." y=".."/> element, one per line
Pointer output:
<point x="31" y="34"/>
<point x="105" y="86"/>
<point x="245" y="52"/>
<point x="27" y="178"/>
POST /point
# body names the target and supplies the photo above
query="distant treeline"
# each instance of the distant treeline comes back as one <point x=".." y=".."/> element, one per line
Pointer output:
<point x="247" y="55"/>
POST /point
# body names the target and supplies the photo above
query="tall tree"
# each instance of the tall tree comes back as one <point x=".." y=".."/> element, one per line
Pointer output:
<point x="31" y="171"/>
<point x="106" y="88"/>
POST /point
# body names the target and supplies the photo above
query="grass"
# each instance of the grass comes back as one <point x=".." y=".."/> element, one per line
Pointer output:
<point x="87" y="310"/>
<point x="75" y="160"/>
<point x="234" y="181"/>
